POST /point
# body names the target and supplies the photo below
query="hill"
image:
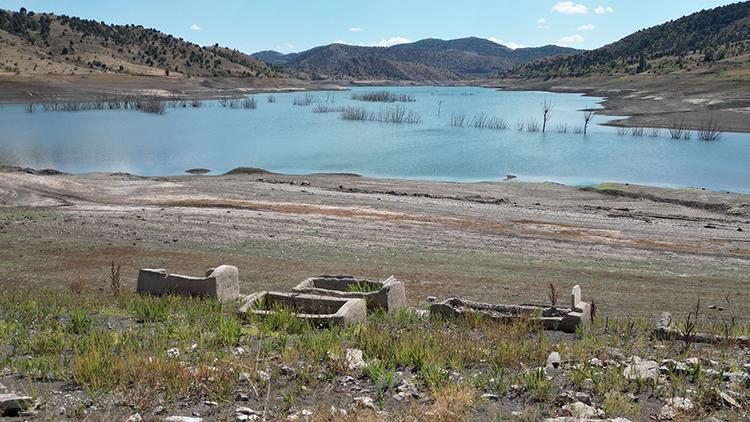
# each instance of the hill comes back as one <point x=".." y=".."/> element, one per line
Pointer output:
<point x="690" y="43"/>
<point x="424" y="61"/>
<point x="47" y="44"/>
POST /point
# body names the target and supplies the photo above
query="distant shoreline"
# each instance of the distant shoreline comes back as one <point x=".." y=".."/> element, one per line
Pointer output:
<point x="645" y="101"/>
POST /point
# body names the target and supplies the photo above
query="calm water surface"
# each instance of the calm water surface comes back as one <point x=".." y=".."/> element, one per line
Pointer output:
<point x="285" y="138"/>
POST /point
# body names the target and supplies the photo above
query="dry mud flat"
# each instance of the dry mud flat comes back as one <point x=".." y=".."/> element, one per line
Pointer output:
<point x="635" y="251"/>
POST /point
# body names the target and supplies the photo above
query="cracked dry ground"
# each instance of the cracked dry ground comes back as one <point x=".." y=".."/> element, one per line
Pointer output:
<point x="634" y="250"/>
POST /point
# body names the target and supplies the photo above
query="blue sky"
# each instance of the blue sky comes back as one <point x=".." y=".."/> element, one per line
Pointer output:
<point x="296" y="25"/>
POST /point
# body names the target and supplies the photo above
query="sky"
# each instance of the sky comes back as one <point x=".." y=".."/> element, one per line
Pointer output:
<point x="297" y="25"/>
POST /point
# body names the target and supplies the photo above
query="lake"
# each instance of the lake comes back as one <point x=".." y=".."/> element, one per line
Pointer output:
<point x="282" y="137"/>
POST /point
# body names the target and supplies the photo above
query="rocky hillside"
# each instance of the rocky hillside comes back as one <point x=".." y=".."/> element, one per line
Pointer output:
<point x="40" y="43"/>
<point x="426" y="60"/>
<point x="692" y="42"/>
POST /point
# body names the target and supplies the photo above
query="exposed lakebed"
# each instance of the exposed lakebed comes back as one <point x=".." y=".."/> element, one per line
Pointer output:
<point x="283" y="137"/>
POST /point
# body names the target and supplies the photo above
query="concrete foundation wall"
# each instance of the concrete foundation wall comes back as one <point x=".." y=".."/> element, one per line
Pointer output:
<point x="221" y="283"/>
<point x="319" y="310"/>
<point x="390" y="295"/>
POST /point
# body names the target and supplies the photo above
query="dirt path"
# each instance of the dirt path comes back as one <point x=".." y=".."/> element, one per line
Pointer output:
<point x="634" y="250"/>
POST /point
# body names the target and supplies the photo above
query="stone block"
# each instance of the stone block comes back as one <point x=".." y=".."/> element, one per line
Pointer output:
<point x="221" y="283"/>
<point x="321" y="311"/>
<point x="388" y="295"/>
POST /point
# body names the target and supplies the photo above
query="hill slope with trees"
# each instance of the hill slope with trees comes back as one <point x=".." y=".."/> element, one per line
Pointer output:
<point x="687" y="44"/>
<point x="47" y="44"/>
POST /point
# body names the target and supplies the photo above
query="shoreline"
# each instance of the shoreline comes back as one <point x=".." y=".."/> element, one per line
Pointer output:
<point x="510" y="178"/>
<point x="649" y="102"/>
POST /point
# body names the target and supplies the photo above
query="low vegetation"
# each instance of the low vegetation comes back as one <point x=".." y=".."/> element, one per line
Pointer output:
<point x="394" y="114"/>
<point x="143" y="350"/>
<point x="383" y="97"/>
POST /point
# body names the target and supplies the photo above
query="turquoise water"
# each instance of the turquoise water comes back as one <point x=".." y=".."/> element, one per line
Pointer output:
<point x="285" y="138"/>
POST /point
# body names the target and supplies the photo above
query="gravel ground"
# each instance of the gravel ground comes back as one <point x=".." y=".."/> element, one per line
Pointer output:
<point x="635" y="251"/>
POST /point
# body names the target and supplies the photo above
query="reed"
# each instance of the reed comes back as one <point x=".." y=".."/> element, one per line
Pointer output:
<point x="533" y="125"/>
<point x="458" y="120"/>
<point x="676" y="130"/>
<point x="654" y="132"/>
<point x="482" y="121"/>
<point x="637" y="131"/>
<point x="271" y="99"/>
<point x="250" y="103"/>
<point x="562" y="127"/>
<point x="709" y="130"/>
<point x="622" y="131"/>
<point x="325" y="108"/>
<point x="383" y="97"/>
<point x="305" y="100"/>
<point x="396" y="114"/>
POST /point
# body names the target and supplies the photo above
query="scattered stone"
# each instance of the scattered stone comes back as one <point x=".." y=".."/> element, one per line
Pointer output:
<point x="355" y="360"/>
<point x="554" y="359"/>
<point x="673" y="407"/>
<point x="489" y="396"/>
<point x="307" y="412"/>
<point x="238" y="351"/>
<point x="596" y="363"/>
<point x="551" y="371"/>
<point x="584" y="398"/>
<point x="241" y="397"/>
<point x="135" y="417"/>
<point x="244" y="377"/>
<point x="729" y="400"/>
<point x="13" y="404"/>
<point x="408" y="389"/>
<point x="431" y="299"/>
<point x="287" y="370"/>
<point x="158" y="410"/>
<point x="265" y="376"/>
<point x="365" y="402"/>
<point x="173" y="353"/>
<point x="581" y="411"/>
<point x="210" y="403"/>
<point x="183" y="419"/>
<point x="246" y="411"/>
<point x="642" y="369"/>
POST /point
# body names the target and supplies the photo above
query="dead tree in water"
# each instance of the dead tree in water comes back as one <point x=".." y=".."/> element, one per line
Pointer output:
<point x="587" y="116"/>
<point x="546" y="109"/>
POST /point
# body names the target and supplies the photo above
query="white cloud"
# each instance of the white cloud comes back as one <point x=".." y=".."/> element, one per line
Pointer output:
<point x="602" y="10"/>
<point x="570" y="40"/>
<point x="195" y="27"/>
<point x="570" y="8"/>
<point x="610" y="10"/>
<point x="392" y="41"/>
<point x="284" y="47"/>
<point x="541" y="21"/>
<point x="355" y="29"/>
<point x="510" y="44"/>
<point x="587" y="27"/>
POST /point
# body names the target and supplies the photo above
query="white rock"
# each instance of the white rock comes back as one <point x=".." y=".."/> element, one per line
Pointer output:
<point x="135" y="417"/>
<point x="246" y="411"/>
<point x="355" y="359"/>
<point x="596" y="363"/>
<point x="173" y="353"/>
<point x="673" y="407"/>
<point x="551" y="371"/>
<point x="365" y="402"/>
<point x="13" y="403"/>
<point x="182" y="419"/>
<point x="729" y="400"/>
<point x="583" y="398"/>
<point x="643" y="369"/>
<point x="265" y="376"/>
<point x="554" y="359"/>
<point x="210" y="403"/>
<point x="489" y="396"/>
<point x="580" y="410"/>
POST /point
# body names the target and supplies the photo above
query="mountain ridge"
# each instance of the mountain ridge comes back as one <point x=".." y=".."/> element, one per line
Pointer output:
<point x="425" y="60"/>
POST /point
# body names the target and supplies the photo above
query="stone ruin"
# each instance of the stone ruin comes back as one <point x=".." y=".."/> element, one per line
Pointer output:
<point x="553" y="318"/>
<point x="221" y="283"/>
<point x="327" y="300"/>
<point x="321" y="311"/>
<point x="388" y="295"/>
<point x="665" y="330"/>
